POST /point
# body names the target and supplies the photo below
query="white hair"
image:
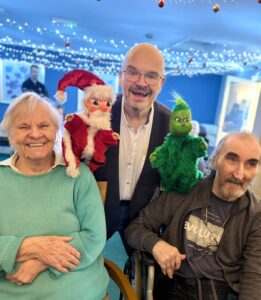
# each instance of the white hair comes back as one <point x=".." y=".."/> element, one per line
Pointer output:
<point x="27" y="102"/>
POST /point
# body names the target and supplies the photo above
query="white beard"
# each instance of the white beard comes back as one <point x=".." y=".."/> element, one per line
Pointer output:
<point x="97" y="119"/>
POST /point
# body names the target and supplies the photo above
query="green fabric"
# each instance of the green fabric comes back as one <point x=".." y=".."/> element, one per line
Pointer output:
<point x="177" y="162"/>
<point x="53" y="204"/>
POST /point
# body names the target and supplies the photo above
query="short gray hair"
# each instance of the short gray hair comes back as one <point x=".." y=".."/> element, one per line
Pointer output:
<point x="28" y="102"/>
<point x="220" y="145"/>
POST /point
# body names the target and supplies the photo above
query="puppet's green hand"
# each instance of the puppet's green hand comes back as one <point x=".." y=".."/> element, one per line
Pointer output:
<point x="153" y="157"/>
<point x="203" y="145"/>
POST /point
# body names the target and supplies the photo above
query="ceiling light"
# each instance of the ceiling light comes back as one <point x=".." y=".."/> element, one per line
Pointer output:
<point x="65" y="23"/>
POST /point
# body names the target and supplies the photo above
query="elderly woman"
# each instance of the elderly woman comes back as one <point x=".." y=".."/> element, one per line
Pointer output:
<point x="52" y="227"/>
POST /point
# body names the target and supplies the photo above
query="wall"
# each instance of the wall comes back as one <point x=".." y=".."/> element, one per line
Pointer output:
<point x="201" y="93"/>
<point x="51" y="81"/>
<point x="257" y="125"/>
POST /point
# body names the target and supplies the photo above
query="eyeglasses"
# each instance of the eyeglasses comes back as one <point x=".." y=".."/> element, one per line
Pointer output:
<point x="149" y="77"/>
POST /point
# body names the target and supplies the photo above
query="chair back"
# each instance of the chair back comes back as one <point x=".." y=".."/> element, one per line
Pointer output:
<point x="102" y="185"/>
<point x="113" y="270"/>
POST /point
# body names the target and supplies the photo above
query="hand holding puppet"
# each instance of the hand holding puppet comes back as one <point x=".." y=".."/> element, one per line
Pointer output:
<point x="177" y="158"/>
<point x="87" y="134"/>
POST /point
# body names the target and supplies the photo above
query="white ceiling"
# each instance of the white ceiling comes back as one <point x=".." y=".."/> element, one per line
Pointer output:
<point x="192" y="37"/>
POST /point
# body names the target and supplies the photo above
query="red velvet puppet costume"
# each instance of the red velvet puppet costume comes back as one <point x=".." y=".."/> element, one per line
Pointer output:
<point x="87" y="134"/>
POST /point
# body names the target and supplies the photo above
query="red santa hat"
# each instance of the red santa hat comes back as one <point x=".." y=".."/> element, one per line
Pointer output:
<point x="79" y="78"/>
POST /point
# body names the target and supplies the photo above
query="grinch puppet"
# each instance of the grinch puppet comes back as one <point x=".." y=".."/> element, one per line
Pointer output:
<point x="177" y="158"/>
<point x="87" y="134"/>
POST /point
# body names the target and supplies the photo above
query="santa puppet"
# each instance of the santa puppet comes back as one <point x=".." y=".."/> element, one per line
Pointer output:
<point x="87" y="134"/>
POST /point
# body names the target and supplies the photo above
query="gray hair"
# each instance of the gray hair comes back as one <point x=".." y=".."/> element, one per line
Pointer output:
<point x="215" y="154"/>
<point x="27" y="102"/>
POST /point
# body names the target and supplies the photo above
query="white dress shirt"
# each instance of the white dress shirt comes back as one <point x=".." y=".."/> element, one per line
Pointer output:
<point x="133" y="151"/>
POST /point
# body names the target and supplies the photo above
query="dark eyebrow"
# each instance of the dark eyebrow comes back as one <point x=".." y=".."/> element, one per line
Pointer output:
<point x="234" y="155"/>
<point x="131" y="67"/>
<point x="231" y="154"/>
<point x="254" y="160"/>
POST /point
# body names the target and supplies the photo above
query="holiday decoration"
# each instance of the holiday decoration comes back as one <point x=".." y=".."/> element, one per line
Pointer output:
<point x="216" y="8"/>
<point x="88" y="134"/>
<point x="161" y="3"/>
<point x="177" y="158"/>
<point x="222" y="59"/>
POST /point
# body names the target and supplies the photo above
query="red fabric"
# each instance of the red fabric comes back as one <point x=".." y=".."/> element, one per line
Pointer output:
<point x="80" y="79"/>
<point x="79" y="134"/>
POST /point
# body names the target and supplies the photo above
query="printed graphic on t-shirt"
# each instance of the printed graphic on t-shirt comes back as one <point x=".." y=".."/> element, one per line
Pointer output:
<point x="202" y="234"/>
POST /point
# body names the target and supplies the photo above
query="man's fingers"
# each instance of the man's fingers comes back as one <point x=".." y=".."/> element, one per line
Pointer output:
<point x="169" y="272"/>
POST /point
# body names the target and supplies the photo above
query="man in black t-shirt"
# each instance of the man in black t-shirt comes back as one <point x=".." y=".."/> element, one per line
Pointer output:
<point x="33" y="85"/>
<point x="211" y="246"/>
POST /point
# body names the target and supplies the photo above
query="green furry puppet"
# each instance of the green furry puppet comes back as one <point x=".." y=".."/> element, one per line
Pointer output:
<point x="177" y="158"/>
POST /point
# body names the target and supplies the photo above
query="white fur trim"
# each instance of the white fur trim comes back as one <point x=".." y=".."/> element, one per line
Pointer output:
<point x="99" y="91"/>
<point x="71" y="170"/>
<point x="61" y="96"/>
<point x="89" y="149"/>
<point x="98" y="119"/>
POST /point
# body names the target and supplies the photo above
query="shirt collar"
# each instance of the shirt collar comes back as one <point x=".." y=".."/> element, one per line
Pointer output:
<point x="10" y="162"/>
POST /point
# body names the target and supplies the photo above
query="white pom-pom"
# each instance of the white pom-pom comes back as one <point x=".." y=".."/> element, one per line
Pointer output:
<point x="72" y="171"/>
<point x="61" y="96"/>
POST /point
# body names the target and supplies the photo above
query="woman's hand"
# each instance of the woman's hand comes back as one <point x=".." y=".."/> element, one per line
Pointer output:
<point x="54" y="251"/>
<point x="27" y="272"/>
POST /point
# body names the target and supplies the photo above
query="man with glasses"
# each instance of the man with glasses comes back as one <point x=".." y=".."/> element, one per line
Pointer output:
<point x="142" y="124"/>
<point x="211" y="246"/>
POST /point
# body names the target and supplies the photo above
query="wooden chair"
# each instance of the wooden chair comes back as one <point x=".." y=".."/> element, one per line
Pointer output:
<point x="113" y="270"/>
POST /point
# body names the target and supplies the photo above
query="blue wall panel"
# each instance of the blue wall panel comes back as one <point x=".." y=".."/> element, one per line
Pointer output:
<point x="200" y="92"/>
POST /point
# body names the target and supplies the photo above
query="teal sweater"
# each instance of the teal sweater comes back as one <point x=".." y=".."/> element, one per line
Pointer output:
<point x="53" y="204"/>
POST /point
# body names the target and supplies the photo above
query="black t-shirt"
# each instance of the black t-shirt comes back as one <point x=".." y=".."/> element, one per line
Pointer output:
<point x="203" y="231"/>
<point x="37" y="87"/>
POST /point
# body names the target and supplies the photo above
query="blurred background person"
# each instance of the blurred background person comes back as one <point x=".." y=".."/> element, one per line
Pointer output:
<point x="195" y="131"/>
<point x="234" y="119"/>
<point x="32" y="84"/>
